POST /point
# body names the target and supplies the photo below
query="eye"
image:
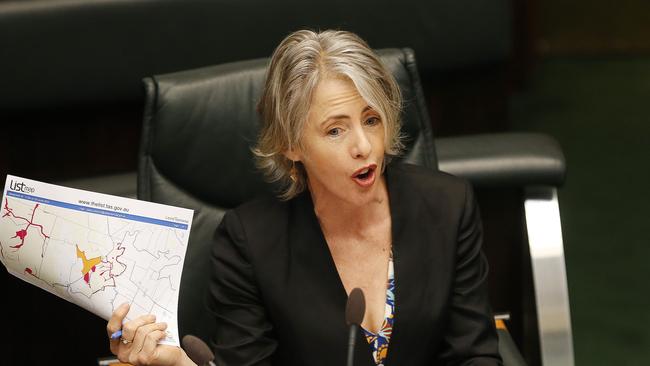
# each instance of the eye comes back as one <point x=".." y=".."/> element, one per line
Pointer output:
<point x="372" y="121"/>
<point x="334" y="131"/>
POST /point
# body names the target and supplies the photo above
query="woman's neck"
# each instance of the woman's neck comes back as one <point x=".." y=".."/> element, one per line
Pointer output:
<point x="342" y="217"/>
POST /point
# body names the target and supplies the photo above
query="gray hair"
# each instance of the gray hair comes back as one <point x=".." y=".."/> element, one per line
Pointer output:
<point x="298" y="64"/>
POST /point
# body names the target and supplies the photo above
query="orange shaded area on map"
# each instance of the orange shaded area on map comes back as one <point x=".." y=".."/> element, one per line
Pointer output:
<point x="88" y="264"/>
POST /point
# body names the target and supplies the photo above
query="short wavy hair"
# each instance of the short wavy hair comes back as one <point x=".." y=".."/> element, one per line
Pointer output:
<point x="298" y="64"/>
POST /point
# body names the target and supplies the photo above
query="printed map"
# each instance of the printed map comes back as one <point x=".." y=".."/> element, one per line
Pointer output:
<point x="92" y="250"/>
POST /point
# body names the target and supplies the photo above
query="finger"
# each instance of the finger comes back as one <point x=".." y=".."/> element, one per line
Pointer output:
<point x="151" y="342"/>
<point x="142" y="333"/>
<point x="140" y="356"/>
<point x="129" y="328"/>
<point x="115" y="324"/>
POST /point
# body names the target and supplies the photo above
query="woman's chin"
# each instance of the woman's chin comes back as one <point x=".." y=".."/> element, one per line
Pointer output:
<point x="355" y="193"/>
<point x="364" y="195"/>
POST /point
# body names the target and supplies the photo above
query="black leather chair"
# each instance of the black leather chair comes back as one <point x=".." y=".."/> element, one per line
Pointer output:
<point x="199" y="126"/>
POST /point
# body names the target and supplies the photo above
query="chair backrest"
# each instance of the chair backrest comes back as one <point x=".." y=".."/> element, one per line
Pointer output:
<point x="199" y="127"/>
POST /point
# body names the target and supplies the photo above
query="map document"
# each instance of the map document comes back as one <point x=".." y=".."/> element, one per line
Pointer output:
<point x="96" y="250"/>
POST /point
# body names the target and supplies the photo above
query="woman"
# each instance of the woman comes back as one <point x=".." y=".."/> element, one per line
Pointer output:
<point x="409" y="237"/>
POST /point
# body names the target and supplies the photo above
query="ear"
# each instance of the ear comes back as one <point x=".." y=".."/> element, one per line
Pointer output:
<point x="293" y="155"/>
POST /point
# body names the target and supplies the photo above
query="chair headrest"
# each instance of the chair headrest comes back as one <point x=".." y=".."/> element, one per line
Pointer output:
<point x="200" y="125"/>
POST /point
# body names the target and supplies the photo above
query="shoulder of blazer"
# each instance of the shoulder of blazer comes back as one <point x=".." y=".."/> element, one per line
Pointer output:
<point x="423" y="182"/>
<point x="261" y="211"/>
<point x="422" y="195"/>
<point x="261" y="225"/>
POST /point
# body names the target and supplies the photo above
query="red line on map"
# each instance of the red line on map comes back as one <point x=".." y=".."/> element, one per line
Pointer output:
<point x="23" y="232"/>
<point x="30" y="272"/>
<point x="119" y="250"/>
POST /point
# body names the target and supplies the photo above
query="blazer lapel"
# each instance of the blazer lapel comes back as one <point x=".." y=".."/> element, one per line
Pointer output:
<point x="406" y="216"/>
<point x="309" y="251"/>
<point x="310" y="248"/>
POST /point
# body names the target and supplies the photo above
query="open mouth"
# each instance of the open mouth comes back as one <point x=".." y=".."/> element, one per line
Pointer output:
<point x="365" y="176"/>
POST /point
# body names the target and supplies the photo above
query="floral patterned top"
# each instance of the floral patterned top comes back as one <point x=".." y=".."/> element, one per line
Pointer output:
<point x="379" y="341"/>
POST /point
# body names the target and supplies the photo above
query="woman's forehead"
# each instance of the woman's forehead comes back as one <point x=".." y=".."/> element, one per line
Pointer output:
<point x="336" y="93"/>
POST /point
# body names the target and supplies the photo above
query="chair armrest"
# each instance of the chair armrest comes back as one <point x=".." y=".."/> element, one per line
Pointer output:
<point x="503" y="159"/>
<point x="508" y="349"/>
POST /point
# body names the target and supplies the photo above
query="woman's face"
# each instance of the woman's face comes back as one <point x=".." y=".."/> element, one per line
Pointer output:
<point x="342" y="145"/>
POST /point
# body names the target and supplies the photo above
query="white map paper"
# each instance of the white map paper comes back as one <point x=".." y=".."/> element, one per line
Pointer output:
<point x="96" y="250"/>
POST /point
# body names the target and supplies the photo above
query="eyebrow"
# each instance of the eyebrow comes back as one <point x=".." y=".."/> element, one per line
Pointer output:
<point x="343" y="116"/>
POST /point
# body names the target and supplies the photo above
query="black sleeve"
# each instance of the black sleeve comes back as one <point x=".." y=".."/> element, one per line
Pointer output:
<point x="470" y="337"/>
<point x="243" y="332"/>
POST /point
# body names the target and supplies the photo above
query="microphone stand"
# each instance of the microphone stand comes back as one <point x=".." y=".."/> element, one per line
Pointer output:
<point x="352" y="338"/>
<point x="355" y="309"/>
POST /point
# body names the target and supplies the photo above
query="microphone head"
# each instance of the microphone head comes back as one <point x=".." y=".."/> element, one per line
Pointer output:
<point x="355" y="308"/>
<point x="197" y="350"/>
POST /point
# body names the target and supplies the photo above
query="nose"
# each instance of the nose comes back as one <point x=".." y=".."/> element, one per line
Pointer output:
<point x="361" y="146"/>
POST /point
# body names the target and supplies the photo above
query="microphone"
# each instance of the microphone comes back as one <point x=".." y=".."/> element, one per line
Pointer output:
<point x="198" y="351"/>
<point x="355" y="309"/>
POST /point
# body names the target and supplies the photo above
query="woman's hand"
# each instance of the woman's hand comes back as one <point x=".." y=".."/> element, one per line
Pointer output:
<point x="141" y="337"/>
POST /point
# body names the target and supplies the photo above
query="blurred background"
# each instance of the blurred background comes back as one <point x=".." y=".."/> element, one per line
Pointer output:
<point x="71" y="103"/>
<point x="588" y="88"/>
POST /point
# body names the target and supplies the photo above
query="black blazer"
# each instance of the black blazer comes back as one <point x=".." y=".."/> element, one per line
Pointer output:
<point x="277" y="298"/>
